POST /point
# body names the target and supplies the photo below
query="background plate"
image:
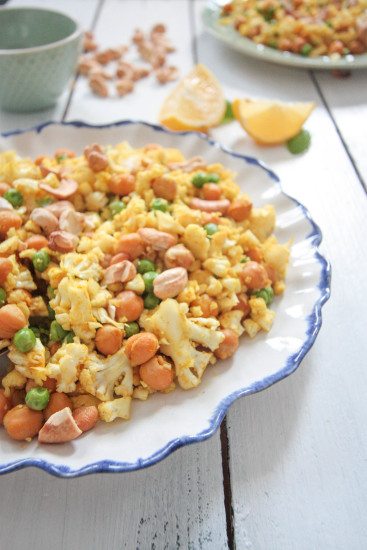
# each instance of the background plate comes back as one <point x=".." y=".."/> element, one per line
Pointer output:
<point x="166" y="422"/>
<point x="228" y="35"/>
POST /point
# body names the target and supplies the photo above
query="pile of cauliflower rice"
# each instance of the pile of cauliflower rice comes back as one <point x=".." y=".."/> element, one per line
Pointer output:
<point x="123" y="273"/>
<point x="313" y="28"/>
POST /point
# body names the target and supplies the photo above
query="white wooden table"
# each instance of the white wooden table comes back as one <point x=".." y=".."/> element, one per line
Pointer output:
<point x="288" y="468"/>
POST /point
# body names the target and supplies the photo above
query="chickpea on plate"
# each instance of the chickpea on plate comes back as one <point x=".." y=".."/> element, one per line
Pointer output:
<point x="123" y="272"/>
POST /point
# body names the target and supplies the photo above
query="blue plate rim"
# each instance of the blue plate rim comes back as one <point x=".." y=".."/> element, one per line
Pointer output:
<point x="314" y="321"/>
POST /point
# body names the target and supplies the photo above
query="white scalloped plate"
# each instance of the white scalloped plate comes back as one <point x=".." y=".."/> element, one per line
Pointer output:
<point x="229" y="35"/>
<point x="166" y="422"/>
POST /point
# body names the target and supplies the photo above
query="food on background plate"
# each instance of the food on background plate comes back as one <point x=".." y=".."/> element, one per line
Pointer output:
<point x="196" y="103"/>
<point x="123" y="272"/>
<point x="271" y="122"/>
<point x="310" y="28"/>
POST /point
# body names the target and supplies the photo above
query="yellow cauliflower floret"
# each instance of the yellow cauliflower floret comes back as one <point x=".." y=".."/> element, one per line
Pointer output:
<point x="251" y="327"/>
<point x="262" y="221"/>
<point x="277" y="256"/>
<point x="31" y="364"/>
<point x="232" y="320"/>
<point x="195" y="239"/>
<point x="136" y="284"/>
<point x="261" y="314"/>
<point x="13" y="380"/>
<point x="118" y="408"/>
<point x="171" y="327"/>
<point x="83" y="266"/>
<point x="248" y="240"/>
<point x="218" y="266"/>
<point x="101" y="374"/>
<point x="66" y="364"/>
<point x="9" y="246"/>
<point x="73" y="308"/>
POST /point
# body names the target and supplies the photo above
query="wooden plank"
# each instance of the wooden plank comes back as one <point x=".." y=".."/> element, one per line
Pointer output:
<point x="177" y="503"/>
<point x="84" y="14"/>
<point x="296" y="451"/>
<point x="346" y="99"/>
<point x="180" y="502"/>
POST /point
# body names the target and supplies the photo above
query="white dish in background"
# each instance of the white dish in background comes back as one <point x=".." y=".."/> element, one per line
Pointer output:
<point x="165" y="422"/>
<point x="229" y="35"/>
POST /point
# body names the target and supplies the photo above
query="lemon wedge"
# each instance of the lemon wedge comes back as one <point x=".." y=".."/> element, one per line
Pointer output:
<point x="271" y="122"/>
<point x="197" y="102"/>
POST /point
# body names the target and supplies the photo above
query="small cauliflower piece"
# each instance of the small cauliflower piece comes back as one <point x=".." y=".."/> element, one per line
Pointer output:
<point x="206" y="336"/>
<point x="31" y="364"/>
<point x="232" y="319"/>
<point x="136" y="284"/>
<point x="118" y="408"/>
<point x="13" y="380"/>
<point x="195" y="239"/>
<point x="84" y="266"/>
<point x="66" y="364"/>
<point x="100" y="375"/>
<point x="173" y="331"/>
<point x="276" y="256"/>
<point x="218" y="266"/>
<point x="251" y="327"/>
<point x="73" y="308"/>
<point x="262" y="221"/>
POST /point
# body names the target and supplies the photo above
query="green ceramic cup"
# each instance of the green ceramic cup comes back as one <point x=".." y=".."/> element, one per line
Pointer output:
<point x="39" y="52"/>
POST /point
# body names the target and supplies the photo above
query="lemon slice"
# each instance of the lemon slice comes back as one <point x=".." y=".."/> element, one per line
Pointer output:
<point x="197" y="102"/>
<point x="271" y="122"/>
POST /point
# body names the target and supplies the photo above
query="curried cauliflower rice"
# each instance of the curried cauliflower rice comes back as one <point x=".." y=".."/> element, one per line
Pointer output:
<point x="312" y="28"/>
<point x="123" y="272"/>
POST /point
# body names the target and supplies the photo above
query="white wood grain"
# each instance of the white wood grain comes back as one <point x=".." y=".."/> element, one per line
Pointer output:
<point x="346" y="98"/>
<point x="177" y="503"/>
<point x="116" y="25"/>
<point x="296" y="450"/>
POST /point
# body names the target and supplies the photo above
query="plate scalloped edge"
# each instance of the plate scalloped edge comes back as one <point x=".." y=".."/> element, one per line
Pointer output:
<point x="314" y="321"/>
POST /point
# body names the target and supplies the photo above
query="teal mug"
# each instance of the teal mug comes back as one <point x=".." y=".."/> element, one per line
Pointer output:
<point x="39" y="52"/>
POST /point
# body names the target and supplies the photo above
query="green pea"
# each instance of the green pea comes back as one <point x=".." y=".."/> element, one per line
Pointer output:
<point x="57" y="333"/>
<point x="50" y="292"/>
<point x="24" y="340"/>
<point x="306" y="50"/>
<point x="41" y="260"/>
<point x="148" y="279"/>
<point x="212" y="178"/>
<point x="59" y="158"/>
<point x="51" y="312"/>
<point x="131" y="329"/>
<point x="211" y="228"/>
<point x="245" y="259"/>
<point x="267" y="294"/>
<point x="300" y="143"/>
<point x="69" y="338"/>
<point x="2" y="297"/>
<point x="14" y="197"/>
<point x="198" y="180"/>
<point x="159" y="204"/>
<point x="151" y="301"/>
<point x="45" y="201"/>
<point x="145" y="265"/>
<point x="37" y="398"/>
<point x="228" y="115"/>
<point x="116" y="207"/>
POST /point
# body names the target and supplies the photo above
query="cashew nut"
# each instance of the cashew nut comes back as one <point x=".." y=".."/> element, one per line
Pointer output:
<point x="45" y="219"/>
